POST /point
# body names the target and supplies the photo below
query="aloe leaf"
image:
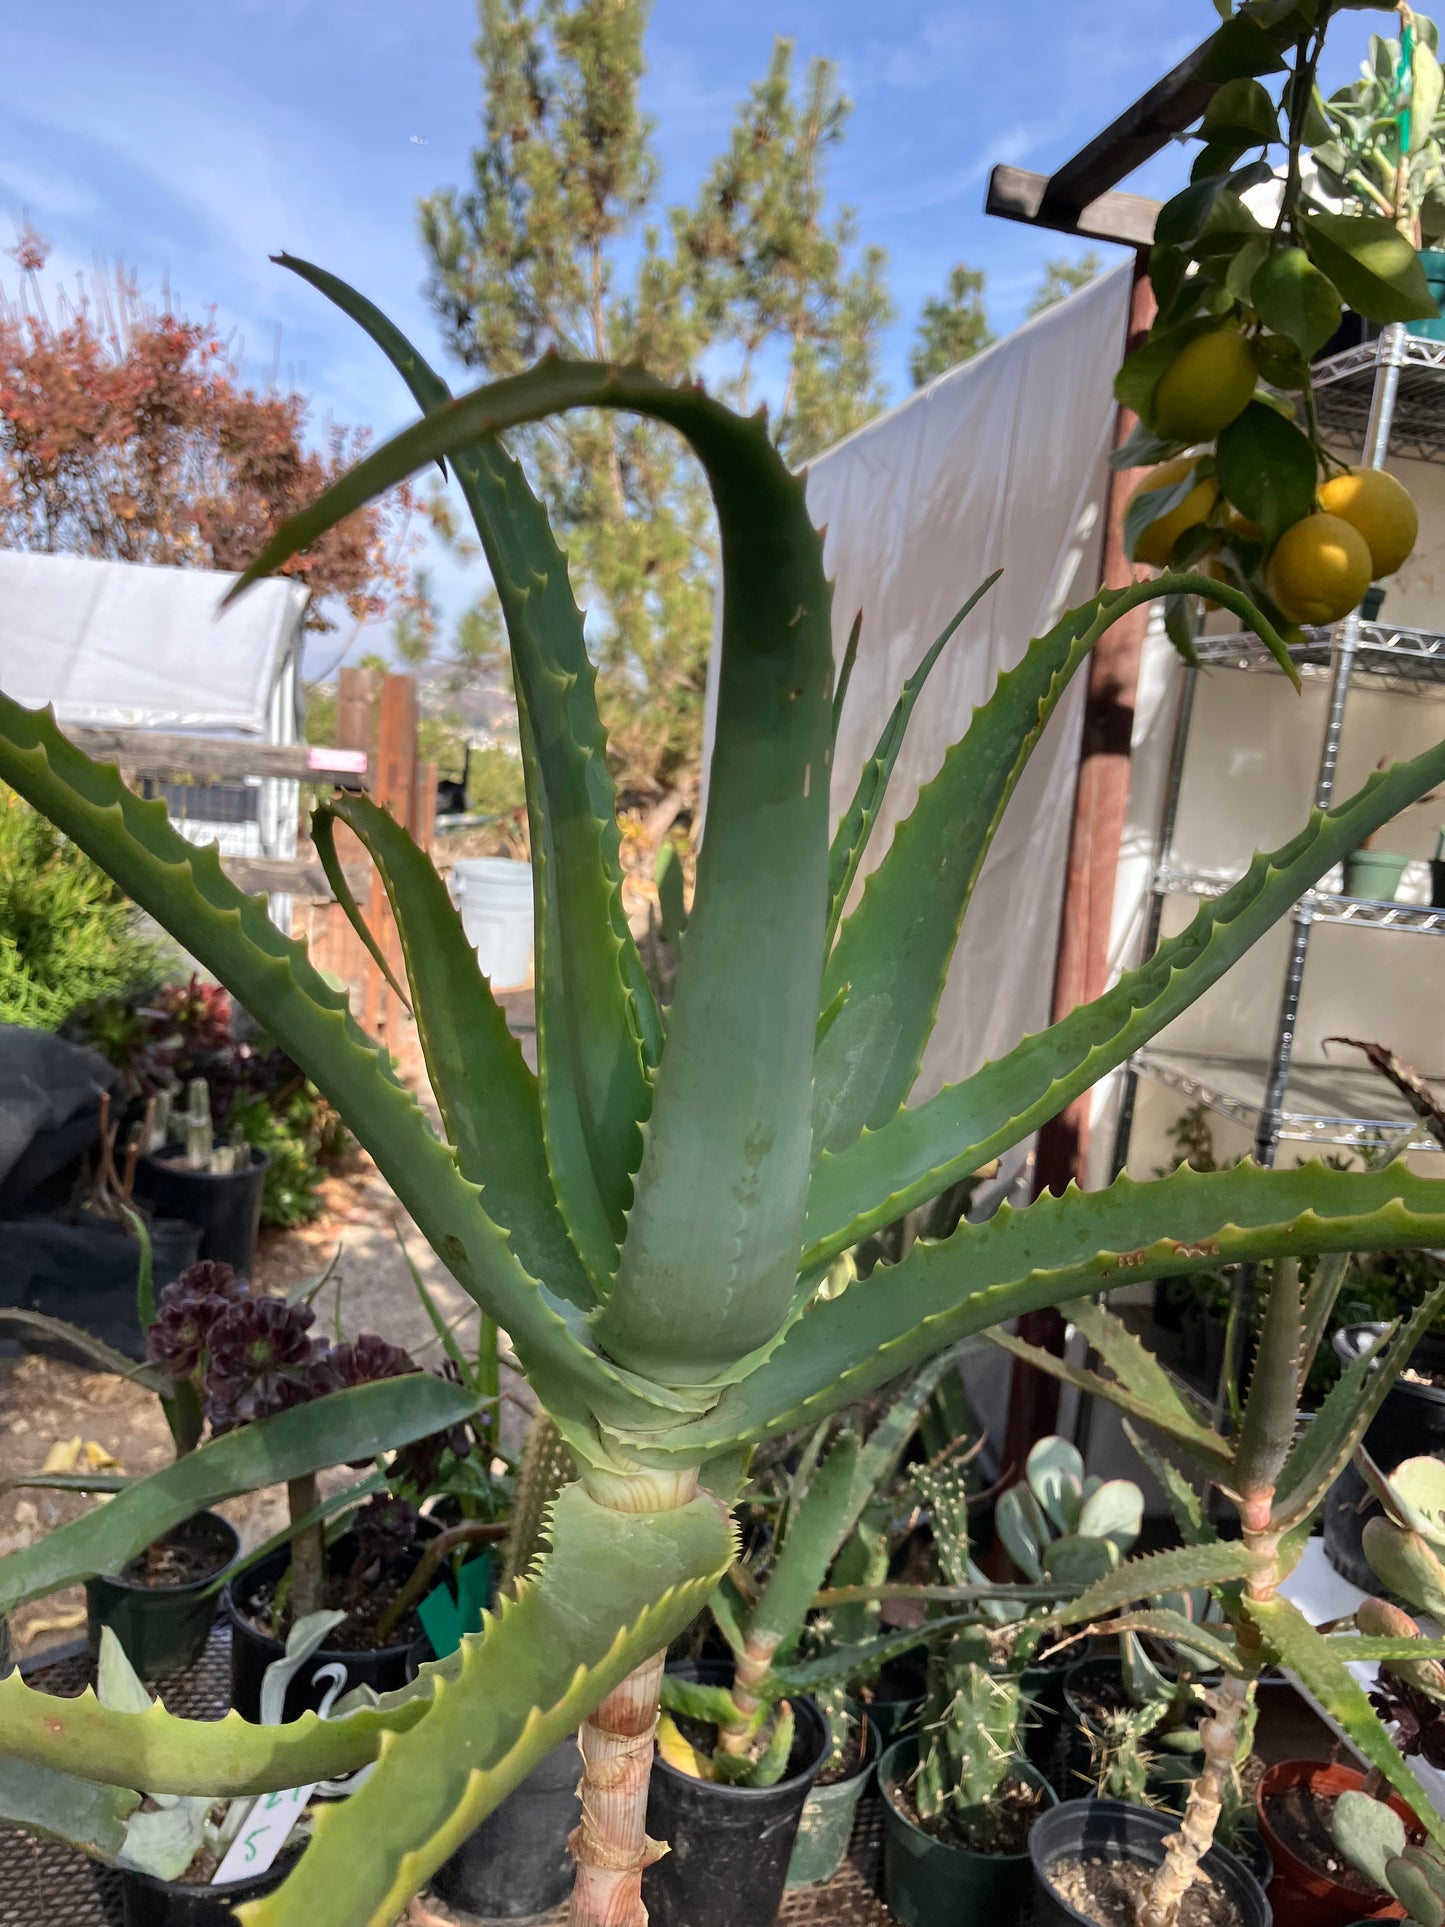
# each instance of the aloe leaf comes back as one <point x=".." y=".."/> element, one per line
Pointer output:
<point x="924" y="1149"/>
<point x="1180" y="1569"/>
<point x="95" y="1349"/>
<point x="667" y="875"/>
<point x="1191" y="1433"/>
<point x="183" y="887"/>
<point x="1267" y="1429"/>
<point x="1345" y="1415"/>
<point x="1317" y="1664"/>
<point x="166" y="1755"/>
<point x="880" y="1452"/>
<point x="850" y="839"/>
<point x="714" y="1704"/>
<point x="614" y="1590"/>
<point x="1186" y="1635"/>
<point x="820" y="1523"/>
<point x="76" y="1811"/>
<point x="840" y="1664"/>
<point x="845" y="671"/>
<point x="353" y="1424"/>
<point x="893" y="952"/>
<point x="597" y="1021"/>
<point x="487" y="1096"/>
<point x="1130" y="1361"/>
<point x="1356" y="1650"/>
<point x="710" y="1258"/>
<point x="1184" y="1502"/>
<point x="1052" y="1252"/>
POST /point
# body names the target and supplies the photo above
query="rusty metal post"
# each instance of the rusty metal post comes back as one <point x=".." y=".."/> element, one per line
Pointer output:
<point x="1101" y="798"/>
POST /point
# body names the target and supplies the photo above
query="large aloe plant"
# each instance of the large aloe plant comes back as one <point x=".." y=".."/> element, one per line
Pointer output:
<point x="650" y="1216"/>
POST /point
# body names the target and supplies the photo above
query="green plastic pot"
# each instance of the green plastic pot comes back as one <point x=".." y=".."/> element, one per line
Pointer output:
<point x="927" y="1882"/>
<point x="1432" y="260"/>
<point x="1373" y="876"/>
<point x="163" y="1628"/>
<point x="827" y="1823"/>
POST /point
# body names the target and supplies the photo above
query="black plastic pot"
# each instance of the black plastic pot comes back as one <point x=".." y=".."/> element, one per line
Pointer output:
<point x="148" y="1902"/>
<point x="730" y="1845"/>
<point x="228" y="1209"/>
<point x="928" y="1881"/>
<point x="827" y="1823"/>
<point x="83" y="1269"/>
<point x="516" y="1865"/>
<point x="163" y="1628"/>
<point x="1042" y="1686"/>
<point x="1110" y="1830"/>
<point x="1409" y="1424"/>
<point x="252" y="1652"/>
<point x="897" y="1695"/>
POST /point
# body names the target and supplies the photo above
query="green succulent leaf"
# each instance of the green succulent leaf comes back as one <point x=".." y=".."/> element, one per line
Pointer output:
<point x="850" y="839"/>
<point x="893" y="953"/>
<point x="1406" y="1564"/>
<point x="819" y="1524"/>
<point x="1319" y="1667"/>
<point x="924" y="1149"/>
<point x="1179" y="1570"/>
<point x="1417" y="1880"/>
<point x="614" y="1590"/>
<point x="37" y="1798"/>
<point x="1184" y="1502"/>
<point x="1054" y="1251"/>
<point x="1184" y="1635"/>
<point x="1267" y="1428"/>
<point x="487" y="1096"/>
<point x="714" y="1704"/>
<point x="845" y="671"/>
<point x="59" y="1331"/>
<point x="1131" y="1362"/>
<point x="185" y="889"/>
<point x="596" y="1016"/>
<point x="353" y="1424"/>
<point x="843" y="1664"/>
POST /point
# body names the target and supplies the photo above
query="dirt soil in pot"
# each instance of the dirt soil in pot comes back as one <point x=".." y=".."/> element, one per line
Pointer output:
<point x="357" y="1633"/>
<point x="1002" y="1827"/>
<point x="1304" y="1821"/>
<point x="845" y="1766"/>
<point x="186" y="1555"/>
<point x="703" y="1736"/>
<point x="1113" y="1892"/>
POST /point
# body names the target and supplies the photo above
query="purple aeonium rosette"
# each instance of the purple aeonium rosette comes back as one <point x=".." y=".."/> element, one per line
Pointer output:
<point x="263" y="1359"/>
<point x="189" y="1307"/>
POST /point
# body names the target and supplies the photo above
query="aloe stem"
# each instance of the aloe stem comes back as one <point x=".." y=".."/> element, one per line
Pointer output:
<point x="308" y="1548"/>
<point x="610" y="1846"/>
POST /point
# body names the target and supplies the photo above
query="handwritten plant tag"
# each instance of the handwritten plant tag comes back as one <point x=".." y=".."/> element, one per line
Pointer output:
<point x="264" y="1832"/>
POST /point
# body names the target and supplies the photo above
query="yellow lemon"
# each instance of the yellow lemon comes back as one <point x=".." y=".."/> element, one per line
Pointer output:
<point x="1159" y="537"/>
<point x="1381" y="508"/>
<point x="1205" y="386"/>
<point x="1244" y="527"/>
<point x="1319" y="569"/>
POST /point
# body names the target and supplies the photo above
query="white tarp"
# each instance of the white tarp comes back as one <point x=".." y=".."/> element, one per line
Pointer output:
<point x="998" y="464"/>
<point x="121" y="646"/>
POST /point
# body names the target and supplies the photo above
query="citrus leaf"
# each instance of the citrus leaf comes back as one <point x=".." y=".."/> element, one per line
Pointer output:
<point x="1293" y="298"/>
<point x="1266" y="468"/>
<point x="1372" y="264"/>
<point x="1240" y="109"/>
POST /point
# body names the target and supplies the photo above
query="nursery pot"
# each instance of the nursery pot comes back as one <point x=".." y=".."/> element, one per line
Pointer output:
<point x="1373" y="875"/>
<point x="164" y="1627"/>
<point x="1301" y="1895"/>
<point x="1437" y="883"/>
<point x="730" y="1845"/>
<point x="146" y="1901"/>
<point x="1409" y="1424"/>
<point x="827" y="1823"/>
<point x="227" y="1208"/>
<point x="516" y="1866"/>
<point x="252" y="1651"/>
<point x="1110" y="1830"/>
<point x="1042" y="1685"/>
<point x="1432" y="260"/>
<point x="928" y="1881"/>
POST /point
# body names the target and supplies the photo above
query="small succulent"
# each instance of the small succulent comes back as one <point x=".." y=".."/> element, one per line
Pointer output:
<point x="189" y="1307"/>
<point x="385" y="1526"/>
<point x="1372" y="1838"/>
<point x="263" y="1359"/>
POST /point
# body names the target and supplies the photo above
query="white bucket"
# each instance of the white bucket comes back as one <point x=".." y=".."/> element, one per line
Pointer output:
<point x="494" y="896"/>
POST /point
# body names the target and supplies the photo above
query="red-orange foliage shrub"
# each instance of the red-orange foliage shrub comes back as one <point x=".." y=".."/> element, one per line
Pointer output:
<point x="127" y="433"/>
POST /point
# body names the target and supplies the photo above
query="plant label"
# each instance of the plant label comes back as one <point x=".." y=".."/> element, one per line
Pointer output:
<point x="263" y="1834"/>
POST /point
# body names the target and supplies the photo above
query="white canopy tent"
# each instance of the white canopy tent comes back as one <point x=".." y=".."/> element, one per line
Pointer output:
<point x="125" y="646"/>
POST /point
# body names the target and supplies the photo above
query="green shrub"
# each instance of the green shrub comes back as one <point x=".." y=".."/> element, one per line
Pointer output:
<point x="68" y="934"/>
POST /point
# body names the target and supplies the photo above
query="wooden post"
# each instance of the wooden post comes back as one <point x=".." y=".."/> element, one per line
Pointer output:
<point x="392" y="787"/>
<point x="1096" y="835"/>
<point x="423" y="819"/>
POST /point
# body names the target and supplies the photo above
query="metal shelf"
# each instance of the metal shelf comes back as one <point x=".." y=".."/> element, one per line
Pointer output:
<point x="1406" y="660"/>
<point x="1345" y="383"/>
<point x="1325" y="907"/>
<point x="1233" y="1087"/>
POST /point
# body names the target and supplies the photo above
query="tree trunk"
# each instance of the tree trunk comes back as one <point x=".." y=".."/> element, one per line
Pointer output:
<point x="611" y="1847"/>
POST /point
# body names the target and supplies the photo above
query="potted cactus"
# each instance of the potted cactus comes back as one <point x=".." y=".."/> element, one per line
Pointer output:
<point x="652" y="1217"/>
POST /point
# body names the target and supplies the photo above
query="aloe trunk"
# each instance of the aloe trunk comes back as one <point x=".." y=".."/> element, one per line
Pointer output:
<point x="650" y="1215"/>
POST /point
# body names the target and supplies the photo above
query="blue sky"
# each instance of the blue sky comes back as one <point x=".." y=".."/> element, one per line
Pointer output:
<point x="194" y="141"/>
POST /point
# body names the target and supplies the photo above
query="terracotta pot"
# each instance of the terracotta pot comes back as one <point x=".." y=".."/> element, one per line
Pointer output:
<point x="1298" y="1895"/>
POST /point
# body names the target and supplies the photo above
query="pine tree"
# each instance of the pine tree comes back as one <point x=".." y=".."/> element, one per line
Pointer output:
<point x="1063" y="278"/>
<point x="560" y="242"/>
<point x="952" y="328"/>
